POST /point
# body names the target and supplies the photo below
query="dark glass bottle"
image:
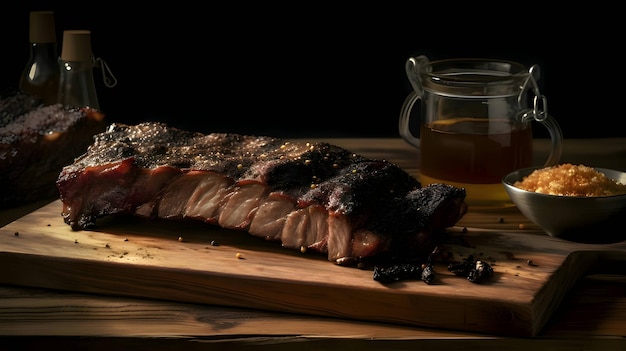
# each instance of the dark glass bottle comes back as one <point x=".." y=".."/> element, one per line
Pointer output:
<point x="76" y="86"/>
<point x="40" y="77"/>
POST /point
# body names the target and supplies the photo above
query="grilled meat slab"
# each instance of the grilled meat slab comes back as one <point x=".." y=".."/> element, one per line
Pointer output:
<point x="305" y="195"/>
<point x="36" y="142"/>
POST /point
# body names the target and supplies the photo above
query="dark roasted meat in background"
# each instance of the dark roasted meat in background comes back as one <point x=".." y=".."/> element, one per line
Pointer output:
<point x="36" y="141"/>
<point x="306" y="195"/>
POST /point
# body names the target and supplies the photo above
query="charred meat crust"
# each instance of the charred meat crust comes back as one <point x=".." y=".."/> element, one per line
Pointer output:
<point x="36" y="142"/>
<point x="315" y="195"/>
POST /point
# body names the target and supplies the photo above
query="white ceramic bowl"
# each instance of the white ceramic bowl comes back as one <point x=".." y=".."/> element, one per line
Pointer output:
<point x="583" y="219"/>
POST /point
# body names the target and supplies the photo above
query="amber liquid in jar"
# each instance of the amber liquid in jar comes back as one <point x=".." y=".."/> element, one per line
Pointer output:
<point x="474" y="153"/>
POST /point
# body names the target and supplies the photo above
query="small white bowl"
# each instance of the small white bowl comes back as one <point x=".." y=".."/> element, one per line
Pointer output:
<point x="576" y="218"/>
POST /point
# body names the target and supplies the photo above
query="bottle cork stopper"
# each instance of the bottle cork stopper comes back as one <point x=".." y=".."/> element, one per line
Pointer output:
<point x="42" y="29"/>
<point x="76" y="45"/>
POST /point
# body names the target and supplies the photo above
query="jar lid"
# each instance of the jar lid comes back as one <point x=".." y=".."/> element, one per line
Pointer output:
<point x="41" y="29"/>
<point x="76" y="45"/>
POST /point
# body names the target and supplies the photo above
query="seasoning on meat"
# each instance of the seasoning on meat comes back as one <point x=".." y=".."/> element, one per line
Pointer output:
<point x="358" y="209"/>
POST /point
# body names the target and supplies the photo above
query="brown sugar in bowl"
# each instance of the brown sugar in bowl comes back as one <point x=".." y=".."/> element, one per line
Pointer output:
<point x="553" y="199"/>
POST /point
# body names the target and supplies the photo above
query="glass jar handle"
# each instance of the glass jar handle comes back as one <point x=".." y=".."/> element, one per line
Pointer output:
<point x="413" y="69"/>
<point x="405" y="116"/>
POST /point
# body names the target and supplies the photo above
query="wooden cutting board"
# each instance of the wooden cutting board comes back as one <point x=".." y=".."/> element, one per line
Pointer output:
<point x="200" y="263"/>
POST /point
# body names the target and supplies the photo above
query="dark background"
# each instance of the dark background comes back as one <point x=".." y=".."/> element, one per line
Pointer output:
<point x="324" y="70"/>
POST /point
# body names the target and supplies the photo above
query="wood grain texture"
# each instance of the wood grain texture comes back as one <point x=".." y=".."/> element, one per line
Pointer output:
<point x="132" y="257"/>
<point x="591" y="318"/>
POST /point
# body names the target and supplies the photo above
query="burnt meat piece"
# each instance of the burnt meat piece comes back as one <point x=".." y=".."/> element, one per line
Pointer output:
<point x="463" y="267"/>
<point x="475" y="270"/>
<point x="312" y="195"/>
<point x="481" y="272"/>
<point x="404" y="271"/>
<point x="397" y="272"/>
<point x="36" y="142"/>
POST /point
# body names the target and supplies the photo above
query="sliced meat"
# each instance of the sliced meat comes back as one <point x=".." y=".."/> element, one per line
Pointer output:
<point x="314" y="196"/>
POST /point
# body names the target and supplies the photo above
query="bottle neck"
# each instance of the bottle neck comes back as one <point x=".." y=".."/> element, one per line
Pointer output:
<point x="44" y="52"/>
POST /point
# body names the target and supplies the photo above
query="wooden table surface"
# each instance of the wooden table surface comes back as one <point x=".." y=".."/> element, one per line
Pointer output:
<point x="593" y="315"/>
